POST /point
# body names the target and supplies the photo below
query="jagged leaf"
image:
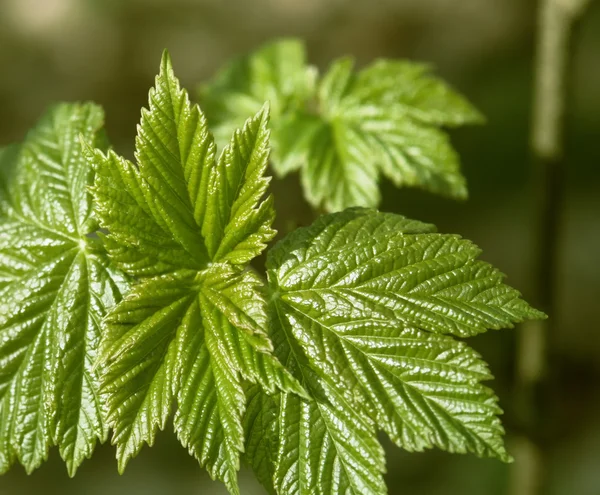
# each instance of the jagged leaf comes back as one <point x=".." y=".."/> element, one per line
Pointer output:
<point x="367" y="304"/>
<point x="276" y="72"/>
<point x="185" y="224"/>
<point x="55" y="287"/>
<point x="321" y="446"/>
<point x="350" y="127"/>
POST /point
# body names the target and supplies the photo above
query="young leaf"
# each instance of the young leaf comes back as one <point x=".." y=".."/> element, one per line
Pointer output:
<point x="276" y="72"/>
<point x="185" y="224"/>
<point x="55" y="287"/>
<point x="366" y="307"/>
<point x="350" y="127"/>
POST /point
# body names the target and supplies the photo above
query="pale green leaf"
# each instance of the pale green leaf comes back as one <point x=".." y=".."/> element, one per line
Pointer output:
<point x="55" y="287"/>
<point x="345" y="166"/>
<point x="293" y="134"/>
<point x="411" y="86"/>
<point x="367" y="130"/>
<point x="350" y="127"/>
<point x="194" y="327"/>
<point x="276" y="72"/>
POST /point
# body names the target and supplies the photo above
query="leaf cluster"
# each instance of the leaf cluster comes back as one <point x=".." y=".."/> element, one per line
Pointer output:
<point x="127" y="300"/>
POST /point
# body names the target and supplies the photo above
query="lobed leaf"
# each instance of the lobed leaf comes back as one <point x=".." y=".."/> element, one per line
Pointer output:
<point x="194" y="327"/>
<point x="55" y="287"/>
<point x="276" y="72"/>
<point x="366" y="304"/>
<point x="350" y="127"/>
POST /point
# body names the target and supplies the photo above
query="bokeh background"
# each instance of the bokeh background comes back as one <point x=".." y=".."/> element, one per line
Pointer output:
<point x="108" y="51"/>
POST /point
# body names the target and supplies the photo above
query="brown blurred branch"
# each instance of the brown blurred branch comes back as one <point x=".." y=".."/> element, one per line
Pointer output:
<point x="556" y="20"/>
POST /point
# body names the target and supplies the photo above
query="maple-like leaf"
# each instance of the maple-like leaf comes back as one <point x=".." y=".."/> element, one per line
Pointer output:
<point x="185" y="224"/>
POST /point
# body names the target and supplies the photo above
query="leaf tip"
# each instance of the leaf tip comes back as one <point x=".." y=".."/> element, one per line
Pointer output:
<point x="122" y="460"/>
<point x="166" y="64"/>
<point x="477" y="117"/>
<point x="72" y="466"/>
<point x="263" y="116"/>
<point x="85" y="146"/>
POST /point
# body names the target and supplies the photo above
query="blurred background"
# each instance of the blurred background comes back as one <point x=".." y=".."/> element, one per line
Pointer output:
<point x="108" y="51"/>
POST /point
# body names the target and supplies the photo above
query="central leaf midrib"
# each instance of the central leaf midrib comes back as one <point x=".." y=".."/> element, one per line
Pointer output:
<point x="72" y="460"/>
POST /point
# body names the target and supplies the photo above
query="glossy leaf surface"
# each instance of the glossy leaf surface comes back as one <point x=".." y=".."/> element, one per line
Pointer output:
<point x="55" y="286"/>
<point x="367" y="305"/>
<point x="185" y="223"/>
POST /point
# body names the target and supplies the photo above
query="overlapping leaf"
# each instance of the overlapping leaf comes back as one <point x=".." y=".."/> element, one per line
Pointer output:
<point x="276" y="72"/>
<point x="319" y="446"/>
<point x="366" y="305"/>
<point x="55" y="287"/>
<point x="350" y="127"/>
<point x="185" y="223"/>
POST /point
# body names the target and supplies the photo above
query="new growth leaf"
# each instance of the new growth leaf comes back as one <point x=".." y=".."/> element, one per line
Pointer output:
<point x="344" y="130"/>
<point x="185" y="223"/>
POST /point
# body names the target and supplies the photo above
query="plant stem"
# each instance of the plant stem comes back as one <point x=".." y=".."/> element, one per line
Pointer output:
<point x="556" y="19"/>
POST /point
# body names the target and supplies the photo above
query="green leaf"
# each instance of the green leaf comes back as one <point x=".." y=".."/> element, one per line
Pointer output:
<point x="276" y="72"/>
<point x="184" y="224"/>
<point x="298" y="446"/>
<point x="260" y="428"/>
<point x="55" y="287"/>
<point x="411" y="86"/>
<point x="366" y="307"/>
<point x="179" y="207"/>
<point x="327" y="447"/>
<point x="343" y="132"/>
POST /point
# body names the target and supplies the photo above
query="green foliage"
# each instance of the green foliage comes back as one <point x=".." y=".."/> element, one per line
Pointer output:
<point x="55" y="286"/>
<point x="364" y="308"/>
<point x="354" y="331"/>
<point x="185" y="224"/>
<point x="342" y="131"/>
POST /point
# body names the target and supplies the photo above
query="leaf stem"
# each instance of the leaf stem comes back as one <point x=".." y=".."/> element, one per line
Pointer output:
<point x="556" y="22"/>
